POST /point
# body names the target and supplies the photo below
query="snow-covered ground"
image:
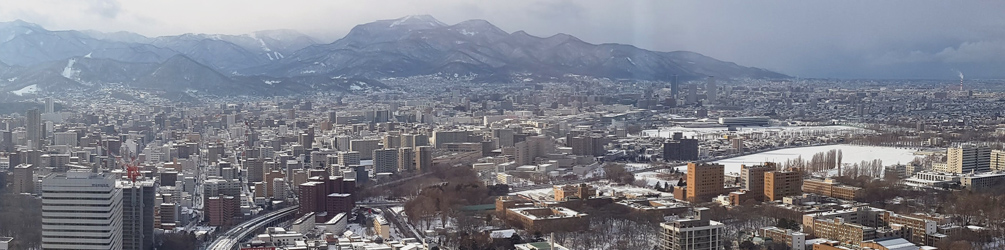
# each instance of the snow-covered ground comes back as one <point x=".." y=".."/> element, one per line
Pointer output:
<point x="30" y="89"/>
<point x="851" y="154"/>
<point x="689" y="132"/>
<point x="607" y="188"/>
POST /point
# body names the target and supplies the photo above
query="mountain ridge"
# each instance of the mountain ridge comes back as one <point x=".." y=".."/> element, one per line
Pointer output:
<point x="286" y="61"/>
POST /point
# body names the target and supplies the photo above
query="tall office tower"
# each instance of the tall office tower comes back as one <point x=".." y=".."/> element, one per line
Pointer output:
<point x="406" y="159"/>
<point x="350" y="158"/>
<point x="332" y="117"/>
<point x="752" y="179"/>
<point x="681" y="150"/>
<point x="138" y="214"/>
<point x="423" y="158"/>
<point x="674" y="88"/>
<point x="81" y="210"/>
<point x="779" y="184"/>
<point x="255" y="168"/>
<point x="385" y="160"/>
<point x="997" y="160"/>
<point x="704" y="181"/>
<point x="34" y="128"/>
<point x="364" y="147"/>
<point x="968" y="158"/>
<point x="695" y="233"/>
<point x="49" y="105"/>
<point x="711" y="91"/>
<point x="8" y="141"/>
<point x="692" y="94"/>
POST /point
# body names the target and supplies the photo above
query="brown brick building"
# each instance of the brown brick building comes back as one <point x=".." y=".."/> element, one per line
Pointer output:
<point x="831" y="188"/>
<point x="778" y="184"/>
<point x="704" y="181"/>
<point x="581" y="191"/>
<point x="221" y="210"/>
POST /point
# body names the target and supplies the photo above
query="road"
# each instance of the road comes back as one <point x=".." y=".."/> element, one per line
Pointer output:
<point x="230" y="239"/>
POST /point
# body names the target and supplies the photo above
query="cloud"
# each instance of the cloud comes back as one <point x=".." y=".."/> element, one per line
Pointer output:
<point x="106" y="8"/>
<point x="966" y="52"/>
<point x="974" y="52"/>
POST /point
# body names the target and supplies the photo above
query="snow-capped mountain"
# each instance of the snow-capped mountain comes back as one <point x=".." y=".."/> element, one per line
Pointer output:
<point x="24" y="44"/>
<point x="288" y="62"/>
<point x="420" y="45"/>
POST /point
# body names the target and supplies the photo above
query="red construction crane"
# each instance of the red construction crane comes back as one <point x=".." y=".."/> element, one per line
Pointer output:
<point x="132" y="171"/>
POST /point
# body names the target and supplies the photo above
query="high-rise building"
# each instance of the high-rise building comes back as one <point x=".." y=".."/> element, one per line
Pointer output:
<point x="34" y="128"/>
<point x="711" y="90"/>
<point x="695" y="233"/>
<point x="590" y="145"/>
<point x="681" y="150"/>
<point x="704" y="181"/>
<point x="325" y="194"/>
<point x="692" y="94"/>
<point x="350" y="158"/>
<point x="674" y="88"/>
<point x="779" y="184"/>
<point x="81" y="210"/>
<point x="533" y="147"/>
<point x="392" y="141"/>
<point x="423" y="158"/>
<point x="23" y="179"/>
<point x="406" y="159"/>
<point x="49" y="105"/>
<point x="364" y="147"/>
<point x="221" y="210"/>
<point x="752" y="179"/>
<point x="997" y="160"/>
<point x="138" y="214"/>
<point x="385" y="160"/>
<point x="965" y="159"/>
<point x="255" y="168"/>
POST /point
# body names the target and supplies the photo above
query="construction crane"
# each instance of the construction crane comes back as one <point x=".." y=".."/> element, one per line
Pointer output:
<point x="132" y="171"/>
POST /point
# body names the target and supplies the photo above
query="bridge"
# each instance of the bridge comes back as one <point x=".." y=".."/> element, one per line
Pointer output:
<point x="230" y="239"/>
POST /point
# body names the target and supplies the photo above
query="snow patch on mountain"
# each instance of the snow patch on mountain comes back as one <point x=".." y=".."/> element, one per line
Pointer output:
<point x="30" y="89"/>
<point x="68" y="71"/>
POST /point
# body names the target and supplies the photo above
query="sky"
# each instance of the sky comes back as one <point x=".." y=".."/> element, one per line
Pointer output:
<point x="921" y="39"/>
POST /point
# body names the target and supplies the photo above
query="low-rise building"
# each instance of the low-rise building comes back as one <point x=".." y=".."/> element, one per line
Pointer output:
<point x="547" y="219"/>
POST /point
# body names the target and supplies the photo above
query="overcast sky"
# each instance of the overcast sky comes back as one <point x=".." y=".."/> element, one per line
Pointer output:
<point x="842" y="39"/>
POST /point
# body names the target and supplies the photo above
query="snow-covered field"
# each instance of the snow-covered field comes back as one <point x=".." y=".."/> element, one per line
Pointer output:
<point x="689" y="132"/>
<point x="851" y="154"/>
<point x="603" y="186"/>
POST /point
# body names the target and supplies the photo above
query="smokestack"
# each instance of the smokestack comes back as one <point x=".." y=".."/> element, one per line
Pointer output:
<point x="552" y="240"/>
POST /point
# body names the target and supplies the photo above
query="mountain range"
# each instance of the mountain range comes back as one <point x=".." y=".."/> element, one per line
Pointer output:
<point x="288" y="62"/>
